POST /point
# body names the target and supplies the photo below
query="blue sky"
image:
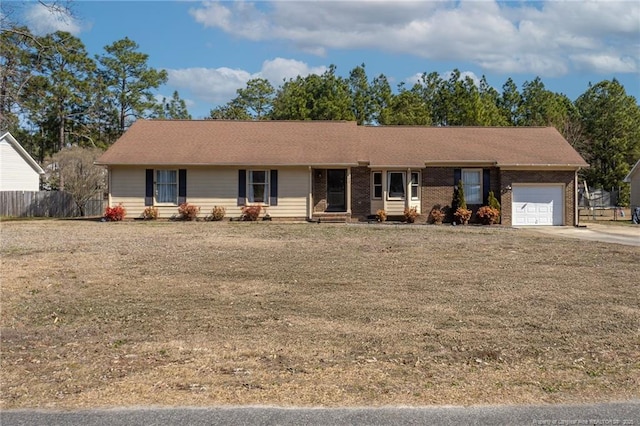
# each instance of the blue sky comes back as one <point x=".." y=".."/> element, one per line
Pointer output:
<point x="212" y="48"/>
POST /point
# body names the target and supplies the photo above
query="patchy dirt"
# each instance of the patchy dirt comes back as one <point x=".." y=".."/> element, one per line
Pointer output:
<point x="119" y="314"/>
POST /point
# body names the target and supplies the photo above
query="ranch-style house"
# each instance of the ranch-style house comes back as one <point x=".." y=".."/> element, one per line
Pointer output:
<point x="314" y="169"/>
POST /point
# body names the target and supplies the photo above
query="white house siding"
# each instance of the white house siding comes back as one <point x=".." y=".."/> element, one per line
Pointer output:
<point x="394" y="207"/>
<point x="293" y="190"/>
<point x="208" y="187"/>
<point x="15" y="173"/>
<point x="127" y="186"/>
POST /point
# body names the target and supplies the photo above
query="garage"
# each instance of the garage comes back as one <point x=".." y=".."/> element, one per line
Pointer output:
<point x="537" y="205"/>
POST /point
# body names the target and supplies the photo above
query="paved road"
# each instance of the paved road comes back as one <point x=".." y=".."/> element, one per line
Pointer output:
<point x="627" y="235"/>
<point x="623" y="413"/>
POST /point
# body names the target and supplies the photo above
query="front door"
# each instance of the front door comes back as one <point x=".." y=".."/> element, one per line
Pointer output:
<point x="336" y="190"/>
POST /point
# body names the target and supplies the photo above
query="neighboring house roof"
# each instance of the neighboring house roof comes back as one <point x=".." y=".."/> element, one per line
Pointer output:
<point x="8" y="137"/>
<point x="248" y="143"/>
<point x="634" y="170"/>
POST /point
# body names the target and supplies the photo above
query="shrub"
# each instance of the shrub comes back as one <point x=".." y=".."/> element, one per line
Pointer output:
<point x="494" y="203"/>
<point x="115" y="214"/>
<point x="250" y="213"/>
<point x="381" y="215"/>
<point x="463" y="215"/>
<point x="458" y="197"/>
<point x="489" y="215"/>
<point x="188" y="211"/>
<point x="217" y="213"/>
<point x="150" y="213"/>
<point x="410" y="214"/>
<point x="436" y="215"/>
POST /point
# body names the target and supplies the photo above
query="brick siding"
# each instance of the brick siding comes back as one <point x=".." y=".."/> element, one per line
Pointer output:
<point x="360" y="192"/>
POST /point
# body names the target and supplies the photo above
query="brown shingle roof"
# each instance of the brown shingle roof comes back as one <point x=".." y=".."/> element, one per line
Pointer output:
<point x="502" y="146"/>
<point x="334" y="143"/>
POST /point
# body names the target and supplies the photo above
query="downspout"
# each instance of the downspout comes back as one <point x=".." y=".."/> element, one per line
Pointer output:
<point x="407" y="190"/>
<point x="576" y="210"/>
<point x="349" y="191"/>
<point x="109" y="186"/>
<point x="310" y="195"/>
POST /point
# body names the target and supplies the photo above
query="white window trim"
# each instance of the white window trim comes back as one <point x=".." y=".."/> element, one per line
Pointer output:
<point x="480" y="178"/>
<point x="373" y="185"/>
<point x="267" y="187"/>
<point x="404" y="185"/>
<point x="155" y="188"/>
<point x="417" y="185"/>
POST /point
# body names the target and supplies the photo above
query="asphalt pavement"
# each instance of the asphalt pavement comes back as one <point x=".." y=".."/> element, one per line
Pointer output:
<point x="620" y="413"/>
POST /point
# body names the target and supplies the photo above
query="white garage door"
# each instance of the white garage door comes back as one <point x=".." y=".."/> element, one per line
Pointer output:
<point x="537" y="205"/>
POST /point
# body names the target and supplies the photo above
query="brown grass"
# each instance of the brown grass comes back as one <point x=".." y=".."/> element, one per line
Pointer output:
<point x="115" y="314"/>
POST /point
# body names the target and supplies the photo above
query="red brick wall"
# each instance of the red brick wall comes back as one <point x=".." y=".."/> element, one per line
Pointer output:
<point x="360" y="192"/>
<point x="438" y="185"/>
<point x="319" y="190"/>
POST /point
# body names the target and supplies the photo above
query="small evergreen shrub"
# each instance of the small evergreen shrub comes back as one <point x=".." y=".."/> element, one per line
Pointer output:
<point x="150" y="213"/>
<point x="458" y="197"/>
<point x="115" y="214"/>
<point x="494" y="204"/>
<point x="188" y="211"/>
<point x="250" y="213"/>
<point x="217" y="214"/>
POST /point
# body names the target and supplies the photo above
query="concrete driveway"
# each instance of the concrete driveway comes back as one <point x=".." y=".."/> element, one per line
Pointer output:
<point x="614" y="234"/>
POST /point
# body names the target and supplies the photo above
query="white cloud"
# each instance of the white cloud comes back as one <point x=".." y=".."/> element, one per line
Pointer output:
<point x="546" y="38"/>
<point x="219" y="85"/>
<point x="43" y="20"/>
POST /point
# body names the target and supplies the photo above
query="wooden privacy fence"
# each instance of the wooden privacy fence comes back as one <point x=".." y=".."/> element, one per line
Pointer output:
<point x="46" y="204"/>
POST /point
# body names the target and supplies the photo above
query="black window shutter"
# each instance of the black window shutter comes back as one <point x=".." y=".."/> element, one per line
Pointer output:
<point x="486" y="185"/>
<point x="182" y="186"/>
<point x="148" y="192"/>
<point x="273" y="196"/>
<point x="457" y="175"/>
<point x="242" y="186"/>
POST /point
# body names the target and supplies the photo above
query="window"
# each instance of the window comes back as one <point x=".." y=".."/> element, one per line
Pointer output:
<point x="415" y="185"/>
<point x="167" y="186"/>
<point x="472" y="183"/>
<point x="258" y="185"/>
<point x="397" y="184"/>
<point x="377" y="184"/>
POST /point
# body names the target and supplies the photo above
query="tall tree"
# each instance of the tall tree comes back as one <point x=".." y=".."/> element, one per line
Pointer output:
<point x="59" y="94"/>
<point x="611" y="129"/>
<point x="16" y="65"/>
<point x="174" y="108"/>
<point x="509" y="102"/>
<point x="256" y="98"/>
<point x="361" y="95"/>
<point x="381" y="97"/>
<point x="315" y="97"/>
<point x="409" y="108"/>
<point x="130" y="80"/>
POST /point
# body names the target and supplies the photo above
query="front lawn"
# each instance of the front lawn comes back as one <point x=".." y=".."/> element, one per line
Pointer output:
<point x="203" y="313"/>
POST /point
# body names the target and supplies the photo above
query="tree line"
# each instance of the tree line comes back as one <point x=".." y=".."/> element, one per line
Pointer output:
<point x="54" y="94"/>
